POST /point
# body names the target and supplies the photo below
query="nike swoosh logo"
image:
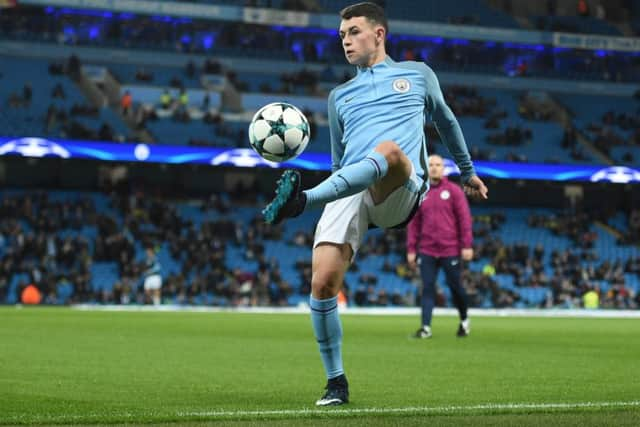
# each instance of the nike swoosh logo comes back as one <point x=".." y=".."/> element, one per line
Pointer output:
<point x="348" y="99"/>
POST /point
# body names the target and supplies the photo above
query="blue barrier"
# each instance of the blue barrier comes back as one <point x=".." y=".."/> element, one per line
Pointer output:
<point x="245" y="157"/>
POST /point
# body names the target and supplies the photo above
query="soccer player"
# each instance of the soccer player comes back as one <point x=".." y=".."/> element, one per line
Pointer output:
<point x="378" y="161"/>
<point x="441" y="232"/>
<point x="152" y="277"/>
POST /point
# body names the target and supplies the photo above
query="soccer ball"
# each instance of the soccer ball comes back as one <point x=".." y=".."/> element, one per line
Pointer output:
<point x="279" y="132"/>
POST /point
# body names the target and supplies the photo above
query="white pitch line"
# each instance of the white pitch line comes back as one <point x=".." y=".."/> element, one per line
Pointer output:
<point x="416" y="409"/>
<point x="325" y="412"/>
<point x="375" y="311"/>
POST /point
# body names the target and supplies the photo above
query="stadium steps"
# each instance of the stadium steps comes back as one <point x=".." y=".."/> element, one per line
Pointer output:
<point x="587" y="109"/>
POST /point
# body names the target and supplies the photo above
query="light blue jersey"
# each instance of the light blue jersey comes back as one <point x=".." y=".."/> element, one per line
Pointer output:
<point x="391" y="101"/>
<point x="152" y="267"/>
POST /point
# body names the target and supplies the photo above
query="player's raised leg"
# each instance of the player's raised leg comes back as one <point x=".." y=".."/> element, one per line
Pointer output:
<point x="399" y="171"/>
<point x="382" y="170"/>
<point x="330" y="261"/>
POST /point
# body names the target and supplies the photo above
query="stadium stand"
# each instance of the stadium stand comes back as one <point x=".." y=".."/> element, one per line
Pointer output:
<point x="89" y="247"/>
<point x="475" y="12"/>
<point x="612" y="124"/>
<point x="635" y="13"/>
<point x="497" y="128"/>
<point x="576" y="24"/>
<point x="147" y="83"/>
<point x="311" y="45"/>
<point x="39" y="103"/>
<point x="216" y="252"/>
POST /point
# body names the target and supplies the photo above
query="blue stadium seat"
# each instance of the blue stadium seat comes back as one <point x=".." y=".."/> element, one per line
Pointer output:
<point x="17" y="72"/>
<point x="103" y="276"/>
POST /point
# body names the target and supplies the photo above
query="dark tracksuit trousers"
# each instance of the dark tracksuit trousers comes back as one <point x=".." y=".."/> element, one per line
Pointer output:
<point x="429" y="267"/>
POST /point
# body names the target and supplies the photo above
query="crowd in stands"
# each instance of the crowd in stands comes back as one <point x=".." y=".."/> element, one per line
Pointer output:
<point x="610" y="132"/>
<point x="573" y="271"/>
<point x="52" y="243"/>
<point x="630" y="230"/>
<point x="65" y="120"/>
<point x="468" y="14"/>
<point x="62" y="117"/>
<point x="233" y="38"/>
<point x="32" y="244"/>
<point x="505" y="131"/>
<point x="23" y="100"/>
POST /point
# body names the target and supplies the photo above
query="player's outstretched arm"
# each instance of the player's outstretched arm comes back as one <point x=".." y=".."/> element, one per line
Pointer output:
<point x="451" y="134"/>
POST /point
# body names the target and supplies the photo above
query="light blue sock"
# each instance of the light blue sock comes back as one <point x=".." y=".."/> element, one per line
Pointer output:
<point x="328" y="331"/>
<point x="349" y="180"/>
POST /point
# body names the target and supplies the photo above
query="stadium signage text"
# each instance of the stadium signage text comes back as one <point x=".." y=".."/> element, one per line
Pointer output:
<point x="584" y="41"/>
<point x="275" y="17"/>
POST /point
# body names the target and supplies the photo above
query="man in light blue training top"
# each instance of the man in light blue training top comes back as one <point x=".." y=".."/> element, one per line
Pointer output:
<point x="379" y="160"/>
<point x="152" y="277"/>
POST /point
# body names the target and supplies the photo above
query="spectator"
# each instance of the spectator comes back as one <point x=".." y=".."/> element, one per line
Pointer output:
<point x="523" y="68"/>
<point x="50" y="118"/>
<point x="601" y="12"/>
<point x="27" y="94"/>
<point x="106" y="133"/>
<point x="591" y="299"/>
<point x="31" y="295"/>
<point x="190" y="69"/>
<point x="74" y="67"/>
<point x="212" y="67"/>
<point x="183" y="99"/>
<point x="143" y="75"/>
<point x="126" y="102"/>
<point x="166" y="100"/>
<point x="58" y="91"/>
<point x="176" y="83"/>
<point x="205" y="102"/>
<point x="583" y="8"/>
<point x="56" y="69"/>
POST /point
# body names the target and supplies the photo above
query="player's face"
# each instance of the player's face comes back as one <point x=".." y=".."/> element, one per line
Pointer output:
<point x="436" y="168"/>
<point x="361" y="40"/>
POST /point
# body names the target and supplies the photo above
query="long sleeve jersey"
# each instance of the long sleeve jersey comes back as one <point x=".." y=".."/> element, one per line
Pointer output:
<point x="152" y="267"/>
<point x="392" y="101"/>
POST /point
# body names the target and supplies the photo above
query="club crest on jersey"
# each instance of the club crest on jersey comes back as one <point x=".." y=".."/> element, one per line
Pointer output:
<point x="445" y="195"/>
<point x="401" y="85"/>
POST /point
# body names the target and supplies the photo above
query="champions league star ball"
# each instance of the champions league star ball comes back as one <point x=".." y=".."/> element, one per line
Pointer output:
<point x="34" y="147"/>
<point x="279" y="132"/>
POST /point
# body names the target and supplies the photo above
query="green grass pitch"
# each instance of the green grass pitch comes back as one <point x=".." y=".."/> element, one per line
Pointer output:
<point x="64" y="366"/>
